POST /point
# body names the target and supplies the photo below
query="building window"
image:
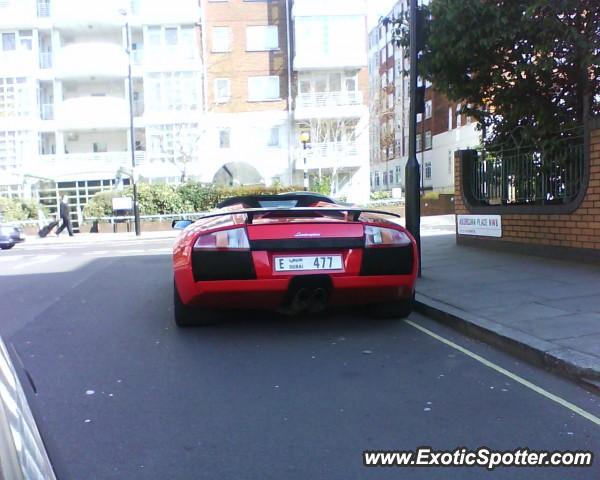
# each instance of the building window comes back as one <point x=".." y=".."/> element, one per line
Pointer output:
<point x="224" y="138"/>
<point x="428" y="140"/>
<point x="222" y="90"/>
<point x="376" y="179"/>
<point x="273" y="140"/>
<point x="385" y="178"/>
<point x="419" y="117"/>
<point x="26" y="39"/>
<point x="391" y="176"/>
<point x="398" y="179"/>
<point x="262" y="38"/>
<point x="428" y="108"/>
<point x="458" y="116"/>
<point x="9" y="42"/>
<point x="419" y="142"/>
<point x="427" y="170"/>
<point x="100" y="147"/>
<point x="170" y="36"/>
<point x="172" y="142"/>
<point x="263" y="88"/>
<point x="171" y="91"/>
<point x="16" y="98"/>
<point x="221" y="40"/>
<point x="449" y="118"/>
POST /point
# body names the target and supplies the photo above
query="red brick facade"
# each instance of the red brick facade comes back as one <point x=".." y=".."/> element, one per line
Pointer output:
<point x="577" y="230"/>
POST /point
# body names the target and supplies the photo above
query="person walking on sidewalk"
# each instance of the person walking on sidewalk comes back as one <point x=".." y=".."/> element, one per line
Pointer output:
<point x="64" y="216"/>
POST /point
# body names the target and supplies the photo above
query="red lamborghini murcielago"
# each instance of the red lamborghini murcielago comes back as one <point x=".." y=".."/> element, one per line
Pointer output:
<point x="292" y="252"/>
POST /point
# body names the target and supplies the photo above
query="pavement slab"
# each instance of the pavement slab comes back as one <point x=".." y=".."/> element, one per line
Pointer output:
<point x="550" y="309"/>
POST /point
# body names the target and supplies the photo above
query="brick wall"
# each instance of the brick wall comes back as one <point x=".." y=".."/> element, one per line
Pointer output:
<point x="579" y="230"/>
<point x="238" y="64"/>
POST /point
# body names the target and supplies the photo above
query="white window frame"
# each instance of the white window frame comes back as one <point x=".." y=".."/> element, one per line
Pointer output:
<point x="262" y="38"/>
<point x="221" y="144"/>
<point x="428" y="140"/>
<point x="253" y="90"/>
<point x="217" y="89"/>
<point x="428" y="108"/>
<point x="220" y="46"/>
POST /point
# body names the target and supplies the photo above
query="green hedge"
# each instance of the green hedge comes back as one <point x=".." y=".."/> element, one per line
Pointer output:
<point x="15" y="209"/>
<point x="162" y="199"/>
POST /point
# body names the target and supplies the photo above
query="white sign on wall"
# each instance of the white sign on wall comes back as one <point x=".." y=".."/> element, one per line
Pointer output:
<point x="122" y="203"/>
<point x="480" y="225"/>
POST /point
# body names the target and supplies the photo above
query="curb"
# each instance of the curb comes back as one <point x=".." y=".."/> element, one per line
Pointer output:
<point x="566" y="362"/>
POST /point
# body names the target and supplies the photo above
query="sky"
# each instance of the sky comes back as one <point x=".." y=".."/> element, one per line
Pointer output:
<point x="378" y="8"/>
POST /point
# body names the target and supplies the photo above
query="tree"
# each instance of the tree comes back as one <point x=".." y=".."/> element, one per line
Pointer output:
<point x="529" y="70"/>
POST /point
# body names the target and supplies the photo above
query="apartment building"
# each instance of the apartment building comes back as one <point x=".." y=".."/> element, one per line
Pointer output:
<point x="247" y="82"/>
<point x="275" y="69"/>
<point x="441" y="129"/>
<point x="221" y="92"/>
<point x="64" y="94"/>
<point x="330" y="93"/>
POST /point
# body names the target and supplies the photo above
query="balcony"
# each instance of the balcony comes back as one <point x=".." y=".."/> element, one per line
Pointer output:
<point x="330" y="104"/>
<point x="92" y="113"/>
<point x="72" y="166"/>
<point x="83" y="60"/>
<point x="78" y="15"/>
<point x="332" y="155"/>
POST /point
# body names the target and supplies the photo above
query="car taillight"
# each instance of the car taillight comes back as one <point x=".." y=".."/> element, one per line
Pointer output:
<point x="385" y="237"/>
<point x="232" y="239"/>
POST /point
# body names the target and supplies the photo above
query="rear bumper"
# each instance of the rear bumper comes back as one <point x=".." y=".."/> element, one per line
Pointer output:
<point x="270" y="293"/>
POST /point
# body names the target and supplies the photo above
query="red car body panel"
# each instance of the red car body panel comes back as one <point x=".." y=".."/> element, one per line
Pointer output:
<point x="269" y="287"/>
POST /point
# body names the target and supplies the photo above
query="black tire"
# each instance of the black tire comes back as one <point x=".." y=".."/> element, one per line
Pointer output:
<point x="7" y="247"/>
<point x="189" y="316"/>
<point x="393" y="310"/>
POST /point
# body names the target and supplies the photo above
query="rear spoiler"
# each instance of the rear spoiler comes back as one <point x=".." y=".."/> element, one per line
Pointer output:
<point x="352" y="212"/>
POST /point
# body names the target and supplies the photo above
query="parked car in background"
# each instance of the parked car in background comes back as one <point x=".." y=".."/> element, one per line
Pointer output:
<point x="10" y="235"/>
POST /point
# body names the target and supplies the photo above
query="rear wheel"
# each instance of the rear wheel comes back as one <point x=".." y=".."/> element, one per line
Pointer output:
<point x="7" y="247"/>
<point x="392" y="310"/>
<point x="189" y="316"/>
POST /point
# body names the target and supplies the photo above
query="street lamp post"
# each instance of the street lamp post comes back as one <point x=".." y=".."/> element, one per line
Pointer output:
<point x="136" y="212"/>
<point x="412" y="172"/>
<point x="305" y="138"/>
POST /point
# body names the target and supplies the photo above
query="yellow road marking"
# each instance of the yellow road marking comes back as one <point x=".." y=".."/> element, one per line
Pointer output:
<point x="555" y="398"/>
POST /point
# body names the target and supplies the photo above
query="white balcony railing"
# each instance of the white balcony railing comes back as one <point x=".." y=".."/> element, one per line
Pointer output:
<point x="75" y="165"/>
<point x="45" y="60"/>
<point x="334" y="149"/>
<point x="329" y="99"/>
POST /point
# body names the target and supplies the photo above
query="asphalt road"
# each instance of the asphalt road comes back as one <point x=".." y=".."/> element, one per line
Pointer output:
<point x="127" y="395"/>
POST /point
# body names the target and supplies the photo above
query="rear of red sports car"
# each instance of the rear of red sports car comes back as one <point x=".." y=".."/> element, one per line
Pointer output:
<point x="292" y="253"/>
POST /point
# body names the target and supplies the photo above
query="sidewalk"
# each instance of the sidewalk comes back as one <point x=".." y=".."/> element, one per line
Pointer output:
<point x="545" y="311"/>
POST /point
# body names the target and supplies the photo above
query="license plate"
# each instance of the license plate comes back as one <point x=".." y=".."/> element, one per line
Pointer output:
<point x="308" y="263"/>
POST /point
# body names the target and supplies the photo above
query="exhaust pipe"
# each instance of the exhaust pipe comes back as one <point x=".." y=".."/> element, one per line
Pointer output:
<point x="300" y="300"/>
<point x="318" y="300"/>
